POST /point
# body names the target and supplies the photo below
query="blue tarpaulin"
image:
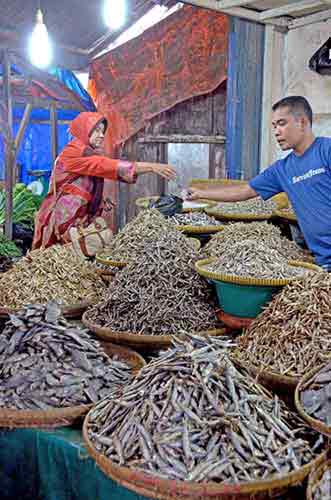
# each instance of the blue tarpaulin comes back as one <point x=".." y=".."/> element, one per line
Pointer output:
<point x="35" y="151"/>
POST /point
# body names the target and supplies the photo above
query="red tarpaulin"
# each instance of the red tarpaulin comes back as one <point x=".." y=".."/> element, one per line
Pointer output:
<point x="183" y="56"/>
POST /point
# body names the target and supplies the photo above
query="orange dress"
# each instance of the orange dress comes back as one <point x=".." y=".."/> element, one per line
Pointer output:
<point x="76" y="184"/>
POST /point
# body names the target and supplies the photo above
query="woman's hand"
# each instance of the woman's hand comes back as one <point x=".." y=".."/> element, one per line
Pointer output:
<point x="162" y="169"/>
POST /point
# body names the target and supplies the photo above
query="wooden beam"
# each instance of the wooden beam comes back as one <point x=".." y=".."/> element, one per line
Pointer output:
<point x="288" y="9"/>
<point x="249" y="14"/>
<point x="54" y="135"/>
<point x="227" y="4"/>
<point x="9" y="149"/>
<point x="44" y="103"/>
<point x="184" y="139"/>
<point x="23" y="124"/>
<point x="314" y="18"/>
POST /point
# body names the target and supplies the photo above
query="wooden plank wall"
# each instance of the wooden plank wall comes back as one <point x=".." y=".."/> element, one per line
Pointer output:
<point x="204" y="116"/>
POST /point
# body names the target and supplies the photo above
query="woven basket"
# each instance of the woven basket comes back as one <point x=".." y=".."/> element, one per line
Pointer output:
<point x="284" y="214"/>
<point x="143" y="203"/>
<point x="74" y="311"/>
<point x="60" y="417"/>
<point x="164" y="489"/>
<point x="200" y="266"/>
<point x="282" y="385"/>
<point x="313" y="422"/>
<point x="315" y="476"/>
<point x="187" y="229"/>
<point x="145" y="342"/>
<point x="219" y="215"/>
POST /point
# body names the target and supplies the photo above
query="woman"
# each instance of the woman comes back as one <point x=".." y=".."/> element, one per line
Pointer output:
<point x="76" y="185"/>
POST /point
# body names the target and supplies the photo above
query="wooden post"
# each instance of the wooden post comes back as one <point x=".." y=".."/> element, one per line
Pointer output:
<point x="22" y="128"/>
<point x="54" y="134"/>
<point x="9" y="149"/>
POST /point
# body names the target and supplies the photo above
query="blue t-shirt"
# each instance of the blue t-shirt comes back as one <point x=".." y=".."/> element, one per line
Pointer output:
<point x="307" y="181"/>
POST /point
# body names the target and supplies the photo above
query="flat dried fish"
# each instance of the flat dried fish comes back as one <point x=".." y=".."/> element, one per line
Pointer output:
<point x="197" y="219"/>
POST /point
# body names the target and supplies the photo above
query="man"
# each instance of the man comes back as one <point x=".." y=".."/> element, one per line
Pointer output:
<point x="304" y="174"/>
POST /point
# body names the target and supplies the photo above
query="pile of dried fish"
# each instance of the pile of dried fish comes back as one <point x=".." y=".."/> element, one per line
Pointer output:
<point x="254" y="259"/>
<point x="191" y="415"/>
<point x="293" y="334"/>
<point x="148" y="225"/>
<point x="261" y="231"/>
<point x="316" y="395"/>
<point x="322" y="490"/>
<point x="52" y="274"/>
<point x="158" y="294"/>
<point x="254" y="206"/>
<point x="194" y="219"/>
<point x="46" y="363"/>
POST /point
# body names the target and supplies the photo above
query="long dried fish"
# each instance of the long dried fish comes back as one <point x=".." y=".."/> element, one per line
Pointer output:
<point x="166" y="424"/>
<point x="194" y="219"/>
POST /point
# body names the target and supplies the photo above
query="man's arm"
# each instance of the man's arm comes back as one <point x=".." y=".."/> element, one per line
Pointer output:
<point x="230" y="192"/>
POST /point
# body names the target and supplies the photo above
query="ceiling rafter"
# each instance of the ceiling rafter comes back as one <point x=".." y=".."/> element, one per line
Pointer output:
<point x="290" y="8"/>
<point x="312" y="19"/>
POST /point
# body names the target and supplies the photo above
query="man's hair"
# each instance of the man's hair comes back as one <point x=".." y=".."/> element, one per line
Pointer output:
<point x="297" y="106"/>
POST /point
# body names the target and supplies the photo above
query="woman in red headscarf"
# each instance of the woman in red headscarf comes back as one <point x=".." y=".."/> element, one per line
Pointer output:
<point x="76" y="184"/>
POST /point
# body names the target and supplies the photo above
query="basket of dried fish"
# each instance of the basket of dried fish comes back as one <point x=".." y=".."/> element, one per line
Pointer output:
<point x="52" y="373"/>
<point x="250" y="210"/>
<point x="248" y="274"/>
<point x="188" y="206"/>
<point x="319" y="481"/>
<point x="55" y="273"/>
<point x="313" y="396"/>
<point x="155" y="296"/>
<point x="192" y="426"/>
<point x="196" y="223"/>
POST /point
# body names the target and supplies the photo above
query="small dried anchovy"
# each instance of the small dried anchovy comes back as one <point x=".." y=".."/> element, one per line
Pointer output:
<point x="194" y="219"/>
<point x="293" y="333"/>
<point x="316" y="395"/>
<point x="254" y="259"/>
<point x="159" y="293"/>
<point x="55" y="273"/>
<point x="261" y="231"/>
<point x="191" y="415"/>
<point x="47" y="363"/>
<point x="253" y="206"/>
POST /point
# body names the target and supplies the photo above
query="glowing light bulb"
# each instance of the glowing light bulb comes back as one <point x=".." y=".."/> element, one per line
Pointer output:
<point x="40" y="48"/>
<point x="114" y="13"/>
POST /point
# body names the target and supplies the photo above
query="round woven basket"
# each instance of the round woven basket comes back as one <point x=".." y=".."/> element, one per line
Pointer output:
<point x="187" y="229"/>
<point x="166" y="489"/>
<point x="313" y="422"/>
<point x="284" y="214"/>
<point x="200" y="266"/>
<point x="143" y="203"/>
<point x="219" y="215"/>
<point x="145" y="342"/>
<point x="315" y="476"/>
<point x="60" y="417"/>
<point x="74" y="311"/>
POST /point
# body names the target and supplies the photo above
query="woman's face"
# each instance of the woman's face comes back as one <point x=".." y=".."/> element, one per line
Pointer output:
<point x="97" y="136"/>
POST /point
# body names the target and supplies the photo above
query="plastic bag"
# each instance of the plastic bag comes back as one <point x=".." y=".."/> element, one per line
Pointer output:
<point x="321" y="60"/>
<point x="167" y="205"/>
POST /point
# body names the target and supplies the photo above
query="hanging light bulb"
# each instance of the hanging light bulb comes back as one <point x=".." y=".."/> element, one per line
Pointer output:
<point x="115" y="13"/>
<point x="40" y="46"/>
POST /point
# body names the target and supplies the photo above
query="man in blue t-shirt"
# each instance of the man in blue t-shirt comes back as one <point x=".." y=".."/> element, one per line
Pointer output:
<point x="305" y="175"/>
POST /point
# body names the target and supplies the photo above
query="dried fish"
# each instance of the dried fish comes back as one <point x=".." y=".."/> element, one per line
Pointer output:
<point x="158" y="294"/>
<point x="254" y="259"/>
<point x="316" y="396"/>
<point x="293" y="333"/>
<point x="263" y="232"/>
<point x="165" y="423"/>
<point x="52" y="274"/>
<point x="46" y="363"/>
<point x="194" y="219"/>
<point x="254" y="206"/>
<point x="322" y="489"/>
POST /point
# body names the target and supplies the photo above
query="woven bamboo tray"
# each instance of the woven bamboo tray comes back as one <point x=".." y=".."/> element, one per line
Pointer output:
<point x="74" y="311"/>
<point x="219" y="215"/>
<point x="187" y="229"/>
<point x="145" y="342"/>
<point x="144" y="202"/>
<point x="60" y="417"/>
<point x="200" y="266"/>
<point x="314" y="477"/>
<point x="284" y="214"/>
<point x="163" y="489"/>
<point x="313" y="422"/>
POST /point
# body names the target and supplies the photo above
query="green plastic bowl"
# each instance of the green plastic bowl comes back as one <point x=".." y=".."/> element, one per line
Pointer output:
<point x="244" y="301"/>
